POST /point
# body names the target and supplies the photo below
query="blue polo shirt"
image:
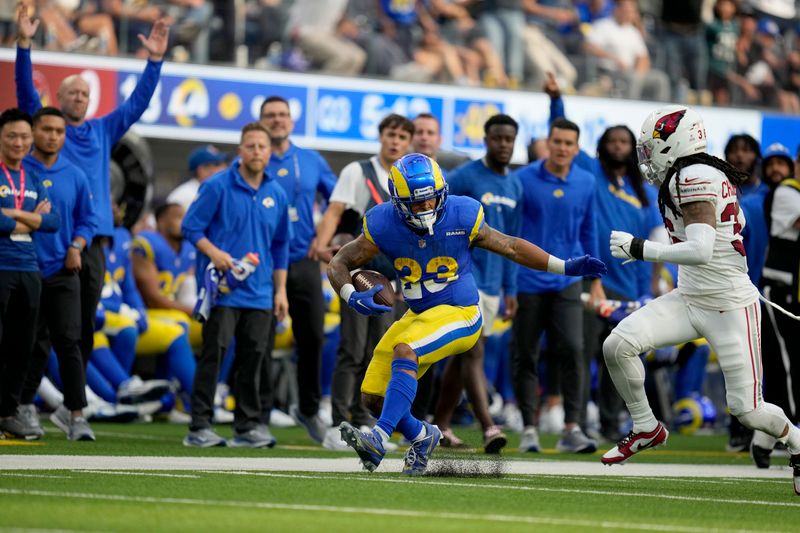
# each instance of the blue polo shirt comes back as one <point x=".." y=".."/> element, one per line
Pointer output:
<point x="618" y="208"/>
<point x="89" y="145"/>
<point x="755" y="232"/>
<point x="68" y="190"/>
<point x="501" y="197"/>
<point x="302" y="174"/>
<point x="239" y="219"/>
<point x="558" y="216"/>
<point x="18" y="254"/>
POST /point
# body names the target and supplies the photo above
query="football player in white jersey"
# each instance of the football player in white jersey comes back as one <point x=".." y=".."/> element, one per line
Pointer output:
<point x="714" y="298"/>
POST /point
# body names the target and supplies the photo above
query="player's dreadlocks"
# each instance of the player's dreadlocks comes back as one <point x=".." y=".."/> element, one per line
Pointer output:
<point x="735" y="176"/>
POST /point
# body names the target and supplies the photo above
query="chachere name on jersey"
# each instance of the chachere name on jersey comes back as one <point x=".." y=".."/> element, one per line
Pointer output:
<point x="456" y="232"/>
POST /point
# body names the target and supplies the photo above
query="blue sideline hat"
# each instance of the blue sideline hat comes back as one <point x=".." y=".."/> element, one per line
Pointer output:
<point x="205" y="155"/>
<point x="778" y="150"/>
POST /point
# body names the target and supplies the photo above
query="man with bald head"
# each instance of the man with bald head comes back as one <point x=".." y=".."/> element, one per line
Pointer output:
<point x="88" y="145"/>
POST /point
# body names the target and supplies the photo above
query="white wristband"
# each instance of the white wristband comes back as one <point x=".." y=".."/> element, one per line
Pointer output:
<point x="555" y="265"/>
<point x="347" y="290"/>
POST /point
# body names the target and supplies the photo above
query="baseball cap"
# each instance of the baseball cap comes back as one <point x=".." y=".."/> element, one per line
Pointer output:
<point x="769" y="27"/>
<point x="777" y="150"/>
<point x="205" y="155"/>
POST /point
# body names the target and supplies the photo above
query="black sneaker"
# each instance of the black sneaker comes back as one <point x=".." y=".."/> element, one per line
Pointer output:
<point x="794" y="462"/>
<point x="760" y="455"/>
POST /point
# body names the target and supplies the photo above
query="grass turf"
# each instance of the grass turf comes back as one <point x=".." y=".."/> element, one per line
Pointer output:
<point x="270" y="501"/>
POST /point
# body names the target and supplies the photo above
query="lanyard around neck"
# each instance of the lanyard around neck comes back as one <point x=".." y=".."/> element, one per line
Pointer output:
<point x="19" y="198"/>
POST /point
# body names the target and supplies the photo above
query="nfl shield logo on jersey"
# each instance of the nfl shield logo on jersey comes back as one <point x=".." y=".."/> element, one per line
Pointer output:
<point x="422" y="243"/>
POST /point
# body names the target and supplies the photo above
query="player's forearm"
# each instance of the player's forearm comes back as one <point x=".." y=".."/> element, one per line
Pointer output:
<point x="528" y="254"/>
<point x="338" y="274"/>
<point x="698" y="249"/>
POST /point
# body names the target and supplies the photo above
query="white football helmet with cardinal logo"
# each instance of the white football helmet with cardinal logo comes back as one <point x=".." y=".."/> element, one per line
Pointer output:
<point x="669" y="133"/>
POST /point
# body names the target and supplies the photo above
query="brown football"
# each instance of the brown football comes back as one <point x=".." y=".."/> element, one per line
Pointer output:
<point x="364" y="280"/>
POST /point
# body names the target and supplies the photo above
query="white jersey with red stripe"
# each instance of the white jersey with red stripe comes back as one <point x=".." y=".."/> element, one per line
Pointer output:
<point x="721" y="284"/>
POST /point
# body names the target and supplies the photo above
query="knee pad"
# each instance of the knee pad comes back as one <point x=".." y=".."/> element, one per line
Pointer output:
<point x="766" y="417"/>
<point x="616" y="347"/>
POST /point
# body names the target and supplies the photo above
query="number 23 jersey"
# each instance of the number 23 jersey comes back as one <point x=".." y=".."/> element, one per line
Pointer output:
<point x="433" y="269"/>
<point x="722" y="283"/>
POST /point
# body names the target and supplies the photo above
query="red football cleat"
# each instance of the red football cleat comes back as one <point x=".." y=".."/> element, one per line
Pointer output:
<point x="634" y="443"/>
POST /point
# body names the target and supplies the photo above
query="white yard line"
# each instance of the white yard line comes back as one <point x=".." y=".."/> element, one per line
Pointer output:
<point x="408" y="513"/>
<point x="40" y="476"/>
<point x="483" y="486"/>
<point x="116" y="473"/>
<point x="351" y="464"/>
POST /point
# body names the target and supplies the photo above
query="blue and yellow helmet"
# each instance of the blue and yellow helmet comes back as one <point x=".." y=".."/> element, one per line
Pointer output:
<point x="416" y="178"/>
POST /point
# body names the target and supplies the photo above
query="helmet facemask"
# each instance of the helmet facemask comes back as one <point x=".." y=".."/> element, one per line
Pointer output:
<point x="417" y="178"/>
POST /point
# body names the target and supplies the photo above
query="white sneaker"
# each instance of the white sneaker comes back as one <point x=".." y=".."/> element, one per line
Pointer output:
<point x="333" y="440"/>
<point x="530" y="440"/>
<point x="222" y="416"/>
<point x="496" y="405"/>
<point x="552" y="419"/>
<point x="513" y="417"/>
<point x="279" y="419"/>
<point x="179" y="417"/>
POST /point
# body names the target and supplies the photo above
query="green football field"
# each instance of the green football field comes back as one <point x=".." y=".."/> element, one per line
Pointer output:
<point x="140" y="478"/>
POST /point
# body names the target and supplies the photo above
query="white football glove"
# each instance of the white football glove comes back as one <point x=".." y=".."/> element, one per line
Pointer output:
<point x="621" y="245"/>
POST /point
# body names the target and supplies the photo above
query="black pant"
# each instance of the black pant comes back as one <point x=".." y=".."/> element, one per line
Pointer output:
<point x="93" y="271"/>
<point x="359" y="336"/>
<point x="59" y="325"/>
<point x="307" y="309"/>
<point x="561" y="315"/>
<point x="19" y="307"/>
<point x="250" y="328"/>
<point x="780" y="351"/>
<point x="609" y="402"/>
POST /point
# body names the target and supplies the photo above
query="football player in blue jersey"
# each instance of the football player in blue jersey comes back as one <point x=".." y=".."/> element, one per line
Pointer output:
<point x="427" y="236"/>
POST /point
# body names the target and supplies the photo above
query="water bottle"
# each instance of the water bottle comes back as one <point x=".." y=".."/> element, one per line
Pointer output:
<point x="242" y="268"/>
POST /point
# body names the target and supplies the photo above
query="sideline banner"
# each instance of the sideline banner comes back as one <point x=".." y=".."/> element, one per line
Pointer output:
<point x="211" y="104"/>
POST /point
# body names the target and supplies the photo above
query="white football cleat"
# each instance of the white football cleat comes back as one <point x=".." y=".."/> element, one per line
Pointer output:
<point x="634" y="443"/>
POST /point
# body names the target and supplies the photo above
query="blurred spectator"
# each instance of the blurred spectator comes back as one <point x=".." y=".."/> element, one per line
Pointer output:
<point x="313" y="27"/>
<point x="77" y="25"/>
<point x="131" y="19"/>
<point x="764" y="65"/>
<point x="191" y="21"/>
<point x="682" y="37"/>
<point x="459" y="28"/>
<point x="558" y="19"/>
<point x="623" y="56"/>
<point x="783" y="12"/>
<point x="543" y="54"/>
<point x="721" y="36"/>
<point x="384" y="54"/>
<point x="265" y="21"/>
<point x="504" y="21"/>
<point x="204" y="162"/>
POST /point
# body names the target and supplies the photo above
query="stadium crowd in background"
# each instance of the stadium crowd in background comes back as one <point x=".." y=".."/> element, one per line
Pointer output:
<point x="260" y="250"/>
<point x="729" y="52"/>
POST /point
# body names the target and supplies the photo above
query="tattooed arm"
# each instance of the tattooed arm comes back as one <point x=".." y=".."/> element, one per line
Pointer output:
<point x="351" y="256"/>
<point x="518" y="250"/>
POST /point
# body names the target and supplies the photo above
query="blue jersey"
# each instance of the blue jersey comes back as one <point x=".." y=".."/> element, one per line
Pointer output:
<point x="755" y="232"/>
<point x="118" y="286"/>
<point x="618" y="208"/>
<point x="433" y="269"/>
<point x="173" y="266"/>
<point x="17" y="252"/>
<point x="501" y="197"/>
